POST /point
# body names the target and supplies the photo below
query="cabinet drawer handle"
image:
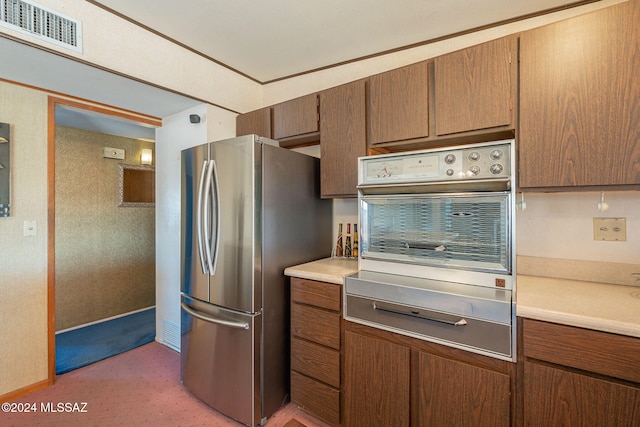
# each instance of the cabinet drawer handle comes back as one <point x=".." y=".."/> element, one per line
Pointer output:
<point x="421" y="314"/>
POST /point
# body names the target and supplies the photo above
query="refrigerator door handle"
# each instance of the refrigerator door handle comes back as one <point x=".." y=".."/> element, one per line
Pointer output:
<point x="199" y="219"/>
<point x="215" y="250"/>
<point x="232" y="324"/>
<point x="206" y="222"/>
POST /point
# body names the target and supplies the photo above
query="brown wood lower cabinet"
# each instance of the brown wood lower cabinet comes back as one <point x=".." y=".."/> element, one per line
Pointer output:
<point x="579" y="377"/>
<point x="316" y="342"/>
<point x="376" y="382"/>
<point x="453" y="393"/>
<point x="558" y="397"/>
<point x="393" y="380"/>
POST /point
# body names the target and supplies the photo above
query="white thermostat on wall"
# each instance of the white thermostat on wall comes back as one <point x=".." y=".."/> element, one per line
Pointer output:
<point x="113" y="153"/>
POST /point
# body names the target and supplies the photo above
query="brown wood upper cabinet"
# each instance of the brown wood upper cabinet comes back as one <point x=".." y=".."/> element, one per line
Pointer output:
<point x="343" y="138"/>
<point x="296" y="119"/>
<point x="475" y="87"/>
<point x="258" y="122"/>
<point x="580" y="101"/>
<point x="399" y="104"/>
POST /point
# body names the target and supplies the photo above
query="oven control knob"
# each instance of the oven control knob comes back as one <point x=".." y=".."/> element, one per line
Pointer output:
<point x="450" y="172"/>
<point x="449" y="159"/>
<point x="496" y="169"/>
<point x="474" y="156"/>
<point x="496" y="154"/>
<point x="475" y="169"/>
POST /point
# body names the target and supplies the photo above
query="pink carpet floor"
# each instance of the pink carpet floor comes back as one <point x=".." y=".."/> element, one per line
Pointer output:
<point x="138" y="388"/>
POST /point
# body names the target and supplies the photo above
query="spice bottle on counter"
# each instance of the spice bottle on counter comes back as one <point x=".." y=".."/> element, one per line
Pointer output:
<point x="354" y="250"/>
<point x="347" y="242"/>
<point x="339" y="251"/>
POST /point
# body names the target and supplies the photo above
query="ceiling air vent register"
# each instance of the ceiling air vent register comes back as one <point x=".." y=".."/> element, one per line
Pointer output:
<point x="41" y="22"/>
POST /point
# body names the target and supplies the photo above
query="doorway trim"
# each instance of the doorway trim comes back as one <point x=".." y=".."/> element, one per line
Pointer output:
<point x="92" y="107"/>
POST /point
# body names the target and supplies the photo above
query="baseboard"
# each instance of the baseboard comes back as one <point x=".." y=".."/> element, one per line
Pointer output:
<point x="16" y="394"/>
<point x="104" y="320"/>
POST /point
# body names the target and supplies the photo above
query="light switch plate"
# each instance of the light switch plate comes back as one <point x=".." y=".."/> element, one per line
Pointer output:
<point x="611" y="229"/>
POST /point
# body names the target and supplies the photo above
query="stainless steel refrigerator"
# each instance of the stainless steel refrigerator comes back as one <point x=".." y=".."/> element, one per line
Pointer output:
<point x="249" y="210"/>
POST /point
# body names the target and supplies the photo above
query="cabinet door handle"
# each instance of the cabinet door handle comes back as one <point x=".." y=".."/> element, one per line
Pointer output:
<point x="421" y="314"/>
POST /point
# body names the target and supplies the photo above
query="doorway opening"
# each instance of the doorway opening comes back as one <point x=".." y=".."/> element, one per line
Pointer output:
<point x="101" y="251"/>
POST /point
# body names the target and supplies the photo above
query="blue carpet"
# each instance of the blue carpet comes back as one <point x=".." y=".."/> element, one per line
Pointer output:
<point x="81" y="347"/>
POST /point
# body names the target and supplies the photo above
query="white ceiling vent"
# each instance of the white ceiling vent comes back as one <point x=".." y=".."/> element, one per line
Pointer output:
<point x="41" y="22"/>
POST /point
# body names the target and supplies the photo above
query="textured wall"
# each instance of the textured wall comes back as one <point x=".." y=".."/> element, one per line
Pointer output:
<point x="105" y="254"/>
<point x="23" y="260"/>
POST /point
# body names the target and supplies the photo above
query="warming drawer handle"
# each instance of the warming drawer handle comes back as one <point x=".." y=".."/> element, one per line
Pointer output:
<point x="194" y="313"/>
<point x="436" y="317"/>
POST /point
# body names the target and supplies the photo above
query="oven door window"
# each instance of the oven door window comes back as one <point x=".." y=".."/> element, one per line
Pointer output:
<point x="459" y="231"/>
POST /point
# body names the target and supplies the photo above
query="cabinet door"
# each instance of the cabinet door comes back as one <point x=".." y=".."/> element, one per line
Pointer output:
<point x="376" y="382"/>
<point x="580" y="100"/>
<point x="555" y="397"/>
<point x="453" y="393"/>
<point x="473" y="87"/>
<point x="343" y="138"/>
<point x="258" y="122"/>
<point x="399" y="104"/>
<point x="296" y="117"/>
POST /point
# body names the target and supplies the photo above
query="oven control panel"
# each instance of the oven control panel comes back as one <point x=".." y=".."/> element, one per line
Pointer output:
<point x="477" y="161"/>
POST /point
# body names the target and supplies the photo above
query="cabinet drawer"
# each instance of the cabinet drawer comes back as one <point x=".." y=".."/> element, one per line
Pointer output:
<point x="604" y="353"/>
<point x="324" y="295"/>
<point x="315" y="324"/>
<point x="316" y="361"/>
<point x="317" y="398"/>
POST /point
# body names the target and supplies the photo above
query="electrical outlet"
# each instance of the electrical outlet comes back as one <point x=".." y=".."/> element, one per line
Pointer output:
<point x="30" y="229"/>
<point x="611" y="229"/>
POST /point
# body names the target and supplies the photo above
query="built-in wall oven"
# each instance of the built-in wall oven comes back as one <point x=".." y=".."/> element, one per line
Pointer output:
<point x="437" y="252"/>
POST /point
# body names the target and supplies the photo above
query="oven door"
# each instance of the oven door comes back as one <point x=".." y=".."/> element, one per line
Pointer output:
<point x="469" y="231"/>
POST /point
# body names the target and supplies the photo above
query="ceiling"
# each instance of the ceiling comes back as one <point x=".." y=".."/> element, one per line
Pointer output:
<point x="268" y="40"/>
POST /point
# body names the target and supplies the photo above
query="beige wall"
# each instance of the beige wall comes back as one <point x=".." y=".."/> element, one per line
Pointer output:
<point x="23" y="260"/>
<point x="105" y="254"/>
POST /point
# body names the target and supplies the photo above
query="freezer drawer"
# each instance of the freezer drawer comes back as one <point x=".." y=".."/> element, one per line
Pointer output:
<point x="220" y="361"/>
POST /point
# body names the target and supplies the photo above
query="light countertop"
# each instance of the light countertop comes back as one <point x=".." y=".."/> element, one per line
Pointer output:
<point x="599" y="306"/>
<point x="331" y="270"/>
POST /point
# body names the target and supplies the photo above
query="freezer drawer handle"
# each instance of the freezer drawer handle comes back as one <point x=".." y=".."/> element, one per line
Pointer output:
<point x="421" y="314"/>
<point x="194" y="313"/>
